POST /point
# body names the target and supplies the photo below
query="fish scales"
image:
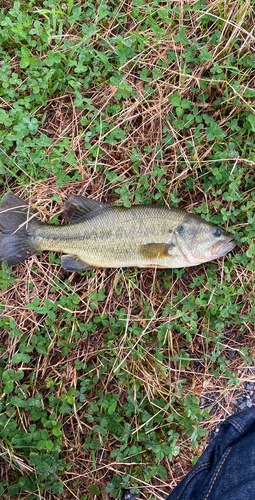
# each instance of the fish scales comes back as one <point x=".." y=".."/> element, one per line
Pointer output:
<point x="101" y="235"/>
<point x="112" y="238"/>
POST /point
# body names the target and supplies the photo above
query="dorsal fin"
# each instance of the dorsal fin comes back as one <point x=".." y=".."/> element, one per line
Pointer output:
<point x="79" y="206"/>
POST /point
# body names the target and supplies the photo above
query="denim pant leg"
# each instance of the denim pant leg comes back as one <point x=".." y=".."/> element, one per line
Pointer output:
<point x="226" y="469"/>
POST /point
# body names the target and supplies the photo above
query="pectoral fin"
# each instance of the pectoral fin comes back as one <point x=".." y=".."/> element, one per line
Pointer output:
<point x="74" y="263"/>
<point x="78" y="207"/>
<point x="154" y="251"/>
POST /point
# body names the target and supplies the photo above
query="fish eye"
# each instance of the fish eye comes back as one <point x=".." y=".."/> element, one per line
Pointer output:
<point x="217" y="232"/>
<point x="180" y="230"/>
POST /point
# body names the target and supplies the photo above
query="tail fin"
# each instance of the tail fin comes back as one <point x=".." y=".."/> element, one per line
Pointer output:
<point x="16" y="239"/>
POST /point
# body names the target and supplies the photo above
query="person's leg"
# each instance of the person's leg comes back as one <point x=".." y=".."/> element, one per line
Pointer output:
<point x="226" y="469"/>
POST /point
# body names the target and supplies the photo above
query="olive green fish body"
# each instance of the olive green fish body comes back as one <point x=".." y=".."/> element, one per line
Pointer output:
<point x="118" y="237"/>
<point x="111" y="236"/>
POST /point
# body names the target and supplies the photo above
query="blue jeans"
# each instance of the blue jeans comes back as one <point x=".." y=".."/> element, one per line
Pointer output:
<point x="226" y="469"/>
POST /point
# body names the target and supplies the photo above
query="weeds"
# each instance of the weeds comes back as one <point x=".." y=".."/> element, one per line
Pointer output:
<point x="103" y="373"/>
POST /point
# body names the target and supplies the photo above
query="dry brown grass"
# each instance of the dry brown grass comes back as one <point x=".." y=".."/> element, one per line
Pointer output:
<point x="143" y="116"/>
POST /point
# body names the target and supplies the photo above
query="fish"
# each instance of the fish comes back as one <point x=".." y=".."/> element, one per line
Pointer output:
<point x="97" y="234"/>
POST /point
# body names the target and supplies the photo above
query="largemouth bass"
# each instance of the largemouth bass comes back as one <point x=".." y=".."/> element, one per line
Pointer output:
<point x="101" y="235"/>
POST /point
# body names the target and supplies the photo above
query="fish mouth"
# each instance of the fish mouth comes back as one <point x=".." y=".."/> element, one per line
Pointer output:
<point x="219" y="249"/>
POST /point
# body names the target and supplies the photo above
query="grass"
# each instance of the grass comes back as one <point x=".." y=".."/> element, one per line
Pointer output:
<point x="106" y="376"/>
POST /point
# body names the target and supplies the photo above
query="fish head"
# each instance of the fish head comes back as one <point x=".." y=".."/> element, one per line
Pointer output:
<point x="201" y="241"/>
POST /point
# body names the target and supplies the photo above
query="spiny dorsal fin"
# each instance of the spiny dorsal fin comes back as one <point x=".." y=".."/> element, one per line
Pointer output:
<point x="79" y="206"/>
<point x="155" y="251"/>
<point x="74" y="263"/>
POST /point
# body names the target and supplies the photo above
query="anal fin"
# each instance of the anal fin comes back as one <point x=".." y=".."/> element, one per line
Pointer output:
<point x="73" y="263"/>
